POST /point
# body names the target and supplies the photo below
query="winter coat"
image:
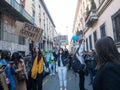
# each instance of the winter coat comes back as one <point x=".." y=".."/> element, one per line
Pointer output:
<point x="107" y="77"/>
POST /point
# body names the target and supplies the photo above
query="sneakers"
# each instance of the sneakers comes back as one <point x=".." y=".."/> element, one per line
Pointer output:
<point x="53" y="74"/>
<point x="61" y="88"/>
<point x="65" y="88"/>
<point x="50" y="74"/>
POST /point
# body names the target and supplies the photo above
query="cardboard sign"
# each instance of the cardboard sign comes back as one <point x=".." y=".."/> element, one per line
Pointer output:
<point x="63" y="39"/>
<point x="28" y="31"/>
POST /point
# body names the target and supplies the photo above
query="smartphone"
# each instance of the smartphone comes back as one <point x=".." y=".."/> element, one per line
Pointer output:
<point x="3" y="67"/>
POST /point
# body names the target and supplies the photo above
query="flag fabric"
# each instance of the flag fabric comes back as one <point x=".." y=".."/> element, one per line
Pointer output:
<point x="23" y="3"/>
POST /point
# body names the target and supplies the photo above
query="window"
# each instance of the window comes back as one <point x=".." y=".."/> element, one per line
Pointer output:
<point x="95" y="36"/>
<point x="0" y="26"/>
<point x="40" y="22"/>
<point x="90" y="42"/>
<point x="102" y="30"/>
<point x="116" y="26"/>
<point x="33" y="16"/>
<point x="40" y="8"/>
<point x="33" y="1"/>
<point x="100" y="1"/>
<point x="87" y="44"/>
<point x="21" y="40"/>
<point x="41" y="45"/>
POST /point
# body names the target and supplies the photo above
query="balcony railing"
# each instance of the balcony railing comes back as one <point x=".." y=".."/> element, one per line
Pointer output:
<point x="92" y="18"/>
<point x="12" y="6"/>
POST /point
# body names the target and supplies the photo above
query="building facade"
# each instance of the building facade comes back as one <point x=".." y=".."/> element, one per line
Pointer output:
<point x="32" y="11"/>
<point x="42" y="19"/>
<point x="98" y="18"/>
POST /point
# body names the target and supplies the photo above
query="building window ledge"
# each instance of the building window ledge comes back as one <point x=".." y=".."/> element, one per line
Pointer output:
<point x="92" y="18"/>
<point x="103" y="6"/>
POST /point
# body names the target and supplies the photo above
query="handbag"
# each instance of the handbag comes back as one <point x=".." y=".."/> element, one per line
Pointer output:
<point x="21" y="77"/>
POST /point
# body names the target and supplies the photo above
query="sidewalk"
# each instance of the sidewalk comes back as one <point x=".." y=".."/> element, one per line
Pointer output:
<point x="52" y="82"/>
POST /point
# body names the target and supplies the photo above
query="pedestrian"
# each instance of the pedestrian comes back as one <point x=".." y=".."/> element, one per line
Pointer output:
<point x="21" y="74"/>
<point x="9" y="71"/>
<point x="92" y="65"/>
<point x="66" y="52"/>
<point x="62" y="69"/>
<point x="108" y="65"/>
<point x="2" y="76"/>
<point x="37" y="69"/>
<point x="79" y="55"/>
<point x="52" y="64"/>
<point x="1" y="71"/>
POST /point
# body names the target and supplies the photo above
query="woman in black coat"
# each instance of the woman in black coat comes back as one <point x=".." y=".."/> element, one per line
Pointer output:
<point x="108" y="65"/>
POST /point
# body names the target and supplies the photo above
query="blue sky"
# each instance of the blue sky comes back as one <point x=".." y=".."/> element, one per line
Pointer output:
<point x="62" y="13"/>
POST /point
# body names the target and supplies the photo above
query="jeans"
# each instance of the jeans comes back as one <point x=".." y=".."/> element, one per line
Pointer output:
<point x="62" y="74"/>
<point x="91" y="72"/>
<point x="52" y="68"/>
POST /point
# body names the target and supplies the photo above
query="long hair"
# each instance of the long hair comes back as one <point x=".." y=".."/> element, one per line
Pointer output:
<point x="106" y="51"/>
<point x="5" y="55"/>
<point x="15" y="57"/>
<point x="39" y="53"/>
<point x="61" y="49"/>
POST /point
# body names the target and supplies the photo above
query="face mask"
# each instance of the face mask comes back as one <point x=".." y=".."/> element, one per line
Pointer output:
<point x="37" y="50"/>
<point x="60" y="51"/>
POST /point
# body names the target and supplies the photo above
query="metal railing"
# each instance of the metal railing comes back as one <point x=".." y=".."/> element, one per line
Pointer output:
<point x="19" y="8"/>
<point x="92" y="17"/>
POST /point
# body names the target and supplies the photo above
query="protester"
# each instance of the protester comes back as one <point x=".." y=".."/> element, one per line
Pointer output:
<point x="52" y="64"/>
<point x="1" y="72"/>
<point x="79" y="55"/>
<point x="37" y="69"/>
<point x="1" y="84"/>
<point x="92" y="65"/>
<point x="62" y="69"/>
<point x="70" y="61"/>
<point x="66" y="52"/>
<point x="86" y="57"/>
<point x="9" y="71"/>
<point x="108" y="65"/>
<point x="21" y="75"/>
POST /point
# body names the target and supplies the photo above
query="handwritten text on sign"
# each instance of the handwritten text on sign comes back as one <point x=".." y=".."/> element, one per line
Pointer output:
<point x="29" y="31"/>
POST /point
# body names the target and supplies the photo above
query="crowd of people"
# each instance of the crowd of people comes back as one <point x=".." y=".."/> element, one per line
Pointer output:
<point x="13" y="73"/>
<point x="102" y="65"/>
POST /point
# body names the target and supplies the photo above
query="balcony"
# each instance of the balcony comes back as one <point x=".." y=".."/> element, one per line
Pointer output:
<point x="91" y="18"/>
<point x="33" y="5"/>
<point x="13" y="8"/>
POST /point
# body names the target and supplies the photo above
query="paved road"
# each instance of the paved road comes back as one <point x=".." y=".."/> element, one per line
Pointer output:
<point x="52" y="83"/>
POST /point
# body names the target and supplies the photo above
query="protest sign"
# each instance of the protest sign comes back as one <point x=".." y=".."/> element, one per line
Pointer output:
<point x="28" y="31"/>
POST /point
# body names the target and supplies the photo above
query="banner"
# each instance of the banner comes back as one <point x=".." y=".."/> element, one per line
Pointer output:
<point x="28" y="31"/>
<point x="62" y="39"/>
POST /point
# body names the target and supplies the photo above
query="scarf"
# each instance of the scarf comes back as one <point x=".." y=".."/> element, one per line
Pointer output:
<point x="37" y="67"/>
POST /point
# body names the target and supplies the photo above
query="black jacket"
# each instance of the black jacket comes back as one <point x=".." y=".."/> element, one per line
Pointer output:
<point x="108" y="77"/>
<point x="64" y="60"/>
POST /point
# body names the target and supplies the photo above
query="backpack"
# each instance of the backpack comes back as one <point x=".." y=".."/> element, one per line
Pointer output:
<point x="76" y="65"/>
